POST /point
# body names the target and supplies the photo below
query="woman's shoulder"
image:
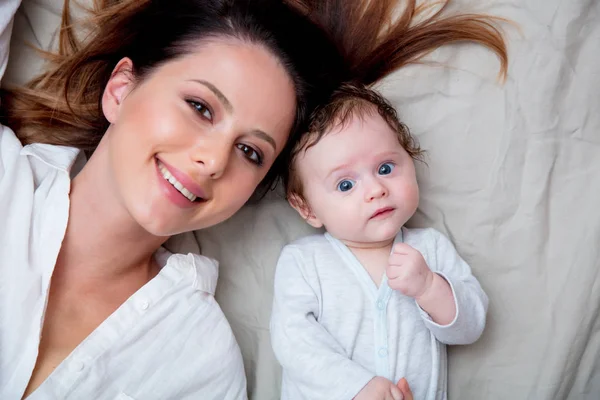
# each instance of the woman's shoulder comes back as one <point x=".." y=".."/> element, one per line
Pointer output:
<point x="181" y="337"/>
<point x="199" y="316"/>
<point x="195" y="273"/>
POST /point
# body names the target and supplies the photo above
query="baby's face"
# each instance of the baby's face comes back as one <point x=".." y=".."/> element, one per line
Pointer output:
<point x="359" y="182"/>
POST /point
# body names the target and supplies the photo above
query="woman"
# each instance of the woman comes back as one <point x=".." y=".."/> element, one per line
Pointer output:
<point x="185" y="106"/>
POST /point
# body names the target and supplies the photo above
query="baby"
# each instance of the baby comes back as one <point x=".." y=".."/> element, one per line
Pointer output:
<point x="370" y="301"/>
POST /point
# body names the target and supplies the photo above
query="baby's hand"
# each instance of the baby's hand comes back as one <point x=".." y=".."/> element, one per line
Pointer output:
<point x="408" y="272"/>
<point x="379" y="388"/>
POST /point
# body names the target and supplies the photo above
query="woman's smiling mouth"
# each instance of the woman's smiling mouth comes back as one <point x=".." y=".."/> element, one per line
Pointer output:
<point x="182" y="188"/>
<point x="178" y="185"/>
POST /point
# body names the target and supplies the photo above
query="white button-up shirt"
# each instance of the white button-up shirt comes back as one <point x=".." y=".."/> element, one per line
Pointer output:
<point x="169" y="340"/>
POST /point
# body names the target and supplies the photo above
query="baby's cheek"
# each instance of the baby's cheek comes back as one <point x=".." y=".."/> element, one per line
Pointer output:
<point x="411" y="195"/>
<point x="342" y="220"/>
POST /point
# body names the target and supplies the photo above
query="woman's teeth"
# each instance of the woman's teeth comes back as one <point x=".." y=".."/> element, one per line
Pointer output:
<point x="176" y="184"/>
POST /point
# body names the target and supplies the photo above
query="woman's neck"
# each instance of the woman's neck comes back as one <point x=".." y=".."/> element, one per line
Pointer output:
<point x="102" y="241"/>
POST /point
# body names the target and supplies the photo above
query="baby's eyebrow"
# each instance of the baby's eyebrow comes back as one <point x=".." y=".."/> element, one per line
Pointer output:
<point x="389" y="153"/>
<point x="337" y="169"/>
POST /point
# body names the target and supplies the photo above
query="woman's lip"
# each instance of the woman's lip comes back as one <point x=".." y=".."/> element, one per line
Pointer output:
<point x="174" y="195"/>
<point x="185" y="180"/>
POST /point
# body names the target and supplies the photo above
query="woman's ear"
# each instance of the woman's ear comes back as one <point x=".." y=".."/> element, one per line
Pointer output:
<point x="300" y="205"/>
<point x="118" y="86"/>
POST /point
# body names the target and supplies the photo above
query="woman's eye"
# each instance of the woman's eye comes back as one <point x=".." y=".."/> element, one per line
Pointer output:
<point x="201" y="108"/>
<point x="386" y="169"/>
<point x="250" y="154"/>
<point x="345" y="185"/>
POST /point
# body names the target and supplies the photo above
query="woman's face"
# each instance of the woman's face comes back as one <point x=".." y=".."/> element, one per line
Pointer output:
<point x="189" y="144"/>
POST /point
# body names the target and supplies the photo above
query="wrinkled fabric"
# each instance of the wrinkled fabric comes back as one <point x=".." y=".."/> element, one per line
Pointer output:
<point x="512" y="178"/>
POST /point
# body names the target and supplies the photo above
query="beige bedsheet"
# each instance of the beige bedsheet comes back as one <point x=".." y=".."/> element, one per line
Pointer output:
<point x="513" y="177"/>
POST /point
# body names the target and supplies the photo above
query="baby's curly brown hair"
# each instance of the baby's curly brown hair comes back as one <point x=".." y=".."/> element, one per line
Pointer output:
<point x="350" y="100"/>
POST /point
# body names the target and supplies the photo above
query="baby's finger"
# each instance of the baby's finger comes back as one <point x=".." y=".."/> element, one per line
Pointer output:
<point x="396" y="393"/>
<point x="402" y="248"/>
<point x="397" y="259"/>
<point x="388" y="396"/>
<point x="392" y="272"/>
<point x="405" y="389"/>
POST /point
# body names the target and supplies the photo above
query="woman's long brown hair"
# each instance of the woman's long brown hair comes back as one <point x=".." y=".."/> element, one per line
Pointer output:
<point x="377" y="37"/>
<point x="63" y="105"/>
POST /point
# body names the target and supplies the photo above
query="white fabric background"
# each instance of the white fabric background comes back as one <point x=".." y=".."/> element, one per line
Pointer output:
<point x="513" y="178"/>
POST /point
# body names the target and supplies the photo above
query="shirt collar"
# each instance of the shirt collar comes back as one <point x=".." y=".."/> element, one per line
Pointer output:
<point x="59" y="157"/>
<point x="203" y="271"/>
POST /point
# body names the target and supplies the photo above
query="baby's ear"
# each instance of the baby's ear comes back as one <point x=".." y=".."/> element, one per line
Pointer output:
<point x="300" y="205"/>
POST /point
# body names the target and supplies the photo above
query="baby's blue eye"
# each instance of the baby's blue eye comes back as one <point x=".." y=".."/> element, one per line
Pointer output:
<point x="386" y="168"/>
<point x="345" y="185"/>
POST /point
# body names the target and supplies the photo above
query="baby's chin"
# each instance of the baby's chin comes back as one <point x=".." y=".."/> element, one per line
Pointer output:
<point x="370" y="236"/>
<point x="367" y="241"/>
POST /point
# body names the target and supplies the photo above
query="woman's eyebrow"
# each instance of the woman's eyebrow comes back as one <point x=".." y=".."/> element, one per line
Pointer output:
<point x="226" y="103"/>
<point x="264" y="136"/>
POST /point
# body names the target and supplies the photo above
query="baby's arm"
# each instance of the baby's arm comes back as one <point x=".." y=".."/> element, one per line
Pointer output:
<point x="438" y="301"/>
<point x="313" y="361"/>
<point x="451" y="300"/>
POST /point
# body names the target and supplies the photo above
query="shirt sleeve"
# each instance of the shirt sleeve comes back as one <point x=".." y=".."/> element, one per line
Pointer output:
<point x="470" y="300"/>
<point x="233" y="376"/>
<point x="8" y="8"/>
<point x="222" y="375"/>
<point x="314" y="363"/>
